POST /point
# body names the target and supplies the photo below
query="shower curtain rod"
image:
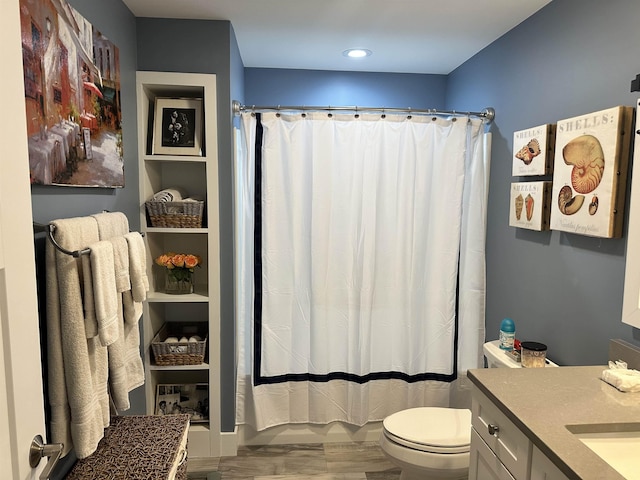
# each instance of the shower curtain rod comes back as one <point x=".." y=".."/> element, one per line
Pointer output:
<point x="488" y="114"/>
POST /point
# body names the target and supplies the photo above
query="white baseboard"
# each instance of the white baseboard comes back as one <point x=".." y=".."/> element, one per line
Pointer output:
<point x="229" y="443"/>
<point x="307" y="433"/>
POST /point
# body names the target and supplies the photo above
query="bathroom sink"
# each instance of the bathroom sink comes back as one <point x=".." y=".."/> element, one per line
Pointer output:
<point x="617" y="444"/>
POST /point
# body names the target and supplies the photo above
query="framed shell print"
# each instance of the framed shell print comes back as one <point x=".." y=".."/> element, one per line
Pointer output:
<point x="533" y="151"/>
<point x="529" y="205"/>
<point x="590" y="171"/>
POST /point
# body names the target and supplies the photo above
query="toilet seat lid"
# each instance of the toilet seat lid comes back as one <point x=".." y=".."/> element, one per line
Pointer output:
<point x="431" y="429"/>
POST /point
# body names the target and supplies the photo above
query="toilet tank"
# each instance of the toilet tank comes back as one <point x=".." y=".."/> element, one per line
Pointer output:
<point x="497" y="358"/>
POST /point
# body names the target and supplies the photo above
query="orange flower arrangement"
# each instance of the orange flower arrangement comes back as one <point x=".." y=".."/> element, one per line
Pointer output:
<point x="180" y="266"/>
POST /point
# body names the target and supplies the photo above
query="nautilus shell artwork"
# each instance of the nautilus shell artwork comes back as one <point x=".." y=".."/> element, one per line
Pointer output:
<point x="586" y="155"/>
<point x="567" y="203"/>
<point x="529" y="151"/>
<point x="519" y="204"/>
<point x="591" y="164"/>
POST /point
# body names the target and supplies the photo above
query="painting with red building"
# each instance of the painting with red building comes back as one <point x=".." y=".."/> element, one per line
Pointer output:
<point x="72" y="98"/>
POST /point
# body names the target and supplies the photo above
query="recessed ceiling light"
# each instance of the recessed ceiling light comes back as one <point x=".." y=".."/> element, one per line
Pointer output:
<point x="357" y="53"/>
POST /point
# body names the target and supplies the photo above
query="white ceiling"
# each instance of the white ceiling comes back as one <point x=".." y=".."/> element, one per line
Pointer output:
<point x="409" y="36"/>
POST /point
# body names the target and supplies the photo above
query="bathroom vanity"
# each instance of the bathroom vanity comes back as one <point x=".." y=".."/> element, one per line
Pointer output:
<point x="545" y="424"/>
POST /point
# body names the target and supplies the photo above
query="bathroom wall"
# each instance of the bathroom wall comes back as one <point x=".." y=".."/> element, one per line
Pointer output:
<point x="266" y="86"/>
<point x="117" y="23"/>
<point x="206" y="46"/>
<point x="573" y="57"/>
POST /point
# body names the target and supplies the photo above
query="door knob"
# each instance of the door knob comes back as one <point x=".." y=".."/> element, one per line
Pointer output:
<point x="39" y="449"/>
<point x="493" y="429"/>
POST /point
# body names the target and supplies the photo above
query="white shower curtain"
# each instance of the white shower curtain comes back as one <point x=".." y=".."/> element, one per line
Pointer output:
<point x="360" y="272"/>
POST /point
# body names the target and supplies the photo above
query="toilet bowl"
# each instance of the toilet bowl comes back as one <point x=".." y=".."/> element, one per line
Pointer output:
<point x="428" y="443"/>
<point x="432" y="443"/>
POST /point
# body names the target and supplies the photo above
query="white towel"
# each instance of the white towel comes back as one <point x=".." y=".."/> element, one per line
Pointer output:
<point x="121" y="263"/>
<point x="118" y="380"/>
<point x="111" y="224"/>
<point x="125" y="363"/>
<point x="90" y="320"/>
<point x="624" y="379"/>
<point x="137" y="266"/>
<point x="132" y="309"/>
<point x="169" y="195"/>
<point x="105" y="293"/>
<point x="77" y="366"/>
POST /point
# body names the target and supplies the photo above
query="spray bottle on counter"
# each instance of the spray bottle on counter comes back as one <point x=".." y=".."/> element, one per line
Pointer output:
<point x="507" y="334"/>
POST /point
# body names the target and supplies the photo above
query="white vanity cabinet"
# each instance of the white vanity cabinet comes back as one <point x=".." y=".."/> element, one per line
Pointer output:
<point x="500" y="450"/>
<point x="544" y="469"/>
<point x="483" y="462"/>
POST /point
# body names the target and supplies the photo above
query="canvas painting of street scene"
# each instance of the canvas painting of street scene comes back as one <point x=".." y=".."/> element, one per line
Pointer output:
<point x="72" y="98"/>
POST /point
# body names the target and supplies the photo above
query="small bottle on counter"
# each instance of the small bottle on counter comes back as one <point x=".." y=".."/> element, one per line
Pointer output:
<point x="507" y="334"/>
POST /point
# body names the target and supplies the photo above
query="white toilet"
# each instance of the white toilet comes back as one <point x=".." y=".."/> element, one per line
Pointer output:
<point x="432" y="443"/>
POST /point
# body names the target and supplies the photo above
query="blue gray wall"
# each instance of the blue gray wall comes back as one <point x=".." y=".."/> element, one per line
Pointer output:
<point x="573" y="57"/>
<point x="117" y="23"/>
<point x="266" y="86"/>
<point x="206" y="46"/>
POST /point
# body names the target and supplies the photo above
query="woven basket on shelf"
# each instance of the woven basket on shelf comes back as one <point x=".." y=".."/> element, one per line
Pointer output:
<point x="175" y="214"/>
<point x="179" y="353"/>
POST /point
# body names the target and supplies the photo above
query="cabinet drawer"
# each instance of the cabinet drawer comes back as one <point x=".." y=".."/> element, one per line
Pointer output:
<point x="483" y="463"/>
<point x="509" y="444"/>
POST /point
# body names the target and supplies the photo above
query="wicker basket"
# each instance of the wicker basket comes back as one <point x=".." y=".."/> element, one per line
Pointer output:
<point x="179" y="353"/>
<point x="175" y="214"/>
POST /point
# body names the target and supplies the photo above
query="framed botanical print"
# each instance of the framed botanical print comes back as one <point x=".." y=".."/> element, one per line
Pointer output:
<point x="178" y="126"/>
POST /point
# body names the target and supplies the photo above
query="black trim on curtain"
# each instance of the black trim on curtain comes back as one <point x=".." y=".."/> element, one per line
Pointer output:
<point x="258" y="378"/>
<point x="257" y="254"/>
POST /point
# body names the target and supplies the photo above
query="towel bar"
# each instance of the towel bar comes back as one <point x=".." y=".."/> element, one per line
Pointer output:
<point x="49" y="229"/>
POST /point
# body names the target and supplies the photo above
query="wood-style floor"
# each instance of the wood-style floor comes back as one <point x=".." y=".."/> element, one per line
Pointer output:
<point x="329" y="461"/>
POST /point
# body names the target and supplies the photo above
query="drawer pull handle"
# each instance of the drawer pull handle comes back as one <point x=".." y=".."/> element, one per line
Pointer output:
<point x="493" y="429"/>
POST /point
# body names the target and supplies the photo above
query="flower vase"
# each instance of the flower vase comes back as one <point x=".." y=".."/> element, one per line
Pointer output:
<point x="178" y="281"/>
